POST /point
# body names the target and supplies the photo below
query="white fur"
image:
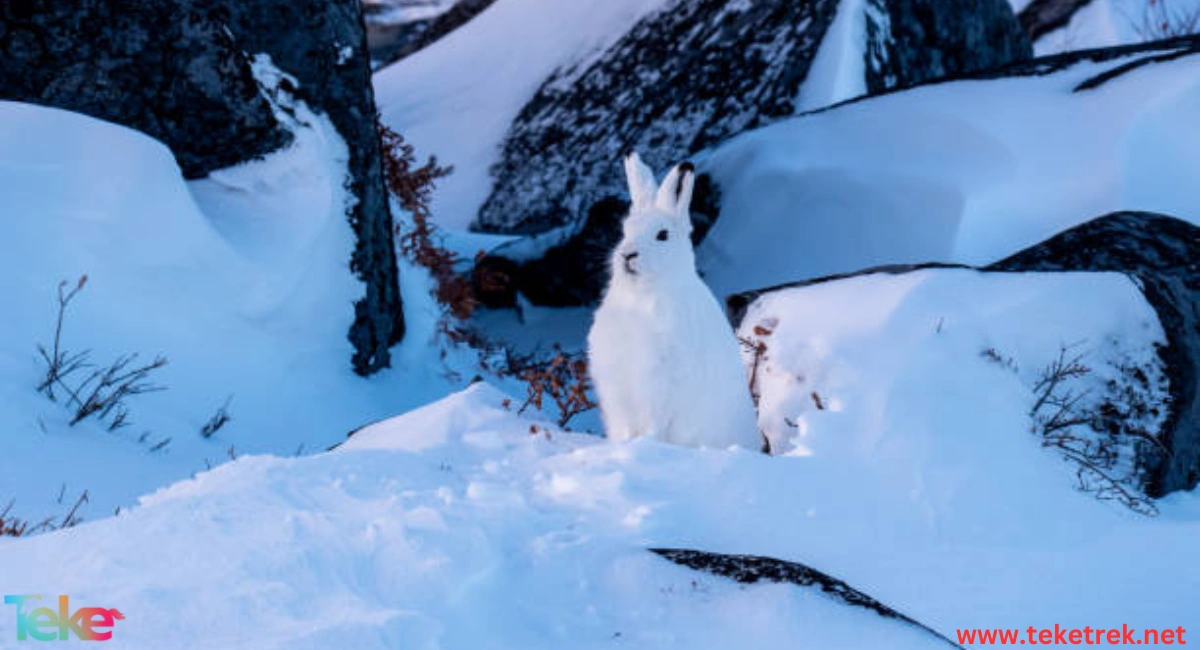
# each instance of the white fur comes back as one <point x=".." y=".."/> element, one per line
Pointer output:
<point x="662" y="355"/>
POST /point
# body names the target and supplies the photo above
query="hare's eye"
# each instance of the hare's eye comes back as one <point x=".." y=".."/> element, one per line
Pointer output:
<point x="662" y="235"/>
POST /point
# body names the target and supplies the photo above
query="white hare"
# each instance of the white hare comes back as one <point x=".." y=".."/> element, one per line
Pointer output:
<point x="663" y="357"/>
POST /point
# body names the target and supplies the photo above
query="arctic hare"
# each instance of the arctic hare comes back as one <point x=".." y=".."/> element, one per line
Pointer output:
<point x="664" y="359"/>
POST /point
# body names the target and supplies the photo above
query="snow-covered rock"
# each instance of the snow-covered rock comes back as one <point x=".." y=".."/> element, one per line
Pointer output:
<point x="184" y="73"/>
<point x="1163" y="254"/>
<point x="694" y="73"/>
<point x="239" y="280"/>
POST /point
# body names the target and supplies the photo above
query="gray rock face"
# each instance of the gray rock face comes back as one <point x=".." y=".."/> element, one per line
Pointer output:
<point x="917" y="40"/>
<point x="170" y="70"/>
<point x="1163" y="253"/>
<point x="323" y="44"/>
<point x="179" y="71"/>
<point x="700" y="71"/>
<point x="681" y="80"/>
<point x="692" y="75"/>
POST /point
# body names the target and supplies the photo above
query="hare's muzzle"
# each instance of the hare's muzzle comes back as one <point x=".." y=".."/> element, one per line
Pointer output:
<point x="628" y="262"/>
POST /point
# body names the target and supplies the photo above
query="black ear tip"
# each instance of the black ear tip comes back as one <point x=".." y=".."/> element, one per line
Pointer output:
<point x="630" y="153"/>
<point x="687" y="167"/>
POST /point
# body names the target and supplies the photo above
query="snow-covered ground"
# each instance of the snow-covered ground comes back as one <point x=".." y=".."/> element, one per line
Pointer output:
<point x="907" y="464"/>
<point x="454" y="527"/>
<point x="240" y="281"/>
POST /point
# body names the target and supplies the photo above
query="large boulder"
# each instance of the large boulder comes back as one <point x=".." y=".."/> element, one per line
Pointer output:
<point x="180" y="72"/>
<point x="698" y="72"/>
<point x="1163" y="253"/>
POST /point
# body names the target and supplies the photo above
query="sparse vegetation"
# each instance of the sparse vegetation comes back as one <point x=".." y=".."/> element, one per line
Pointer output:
<point x="1104" y="437"/>
<point x="413" y="186"/>
<point x="102" y="392"/>
<point x="1161" y="19"/>
<point x="13" y="526"/>
<point x="218" y="420"/>
<point x="564" y="379"/>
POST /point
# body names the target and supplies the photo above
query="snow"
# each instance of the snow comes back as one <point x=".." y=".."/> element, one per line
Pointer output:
<point x="399" y="12"/>
<point x="906" y="465"/>
<point x="838" y="71"/>
<point x="1106" y="23"/>
<point x="904" y="355"/>
<point x="240" y="280"/>
<point x="457" y="97"/>
<point x="453" y="527"/>
<point x="968" y="171"/>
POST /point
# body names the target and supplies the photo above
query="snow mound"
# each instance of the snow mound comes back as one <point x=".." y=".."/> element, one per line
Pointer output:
<point x="881" y="363"/>
<point x="454" y="527"/>
<point x="240" y="280"/>
<point x="965" y="172"/>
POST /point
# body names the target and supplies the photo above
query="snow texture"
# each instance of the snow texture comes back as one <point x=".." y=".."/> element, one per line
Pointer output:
<point x="453" y="527"/>
<point x="968" y="172"/>
<point x="240" y="280"/>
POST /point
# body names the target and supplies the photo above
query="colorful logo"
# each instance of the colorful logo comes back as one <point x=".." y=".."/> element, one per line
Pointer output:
<point x="45" y="624"/>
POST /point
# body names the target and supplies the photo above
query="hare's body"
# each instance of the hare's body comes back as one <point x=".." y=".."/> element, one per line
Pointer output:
<point x="663" y="357"/>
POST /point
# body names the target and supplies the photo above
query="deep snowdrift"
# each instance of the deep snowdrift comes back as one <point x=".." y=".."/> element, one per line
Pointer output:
<point x="249" y="297"/>
<point x="967" y="172"/>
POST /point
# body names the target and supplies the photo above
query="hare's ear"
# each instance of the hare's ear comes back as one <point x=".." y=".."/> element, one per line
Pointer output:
<point x="641" y="180"/>
<point x="675" y="195"/>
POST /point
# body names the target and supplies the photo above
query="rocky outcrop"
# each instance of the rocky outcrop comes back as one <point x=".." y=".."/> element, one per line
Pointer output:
<point x="699" y="72"/>
<point x="323" y="44"/>
<point x="1163" y="253"/>
<point x="681" y="80"/>
<point x="914" y="41"/>
<point x="170" y="70"/>
<point x="180" y="72"/>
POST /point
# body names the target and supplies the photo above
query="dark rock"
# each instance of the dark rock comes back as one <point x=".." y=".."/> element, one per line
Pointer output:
<point x="750" y="569"/>
<point x="1041" y="17"/>
<point x="681" y="80"/>
<point x="171" y="70"/>
<point x="179" y="71"/>
<point x="323" y="44"/>
<point x="700" y="71"/>
<point x="915" y="41"/>
<point x="1163" y="253"/>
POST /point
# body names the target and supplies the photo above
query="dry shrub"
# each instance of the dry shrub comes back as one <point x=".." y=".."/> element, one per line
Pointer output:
<point x="12" y="526"/>
<point x="564" y="379"/>
<point x="413" y="186"/>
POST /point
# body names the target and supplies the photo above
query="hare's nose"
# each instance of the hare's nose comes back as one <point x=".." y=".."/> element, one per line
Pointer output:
<point x="630" y="256"/>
